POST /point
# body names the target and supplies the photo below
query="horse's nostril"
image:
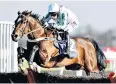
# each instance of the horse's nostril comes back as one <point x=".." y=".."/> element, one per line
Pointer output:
<point x="15" y="35"/>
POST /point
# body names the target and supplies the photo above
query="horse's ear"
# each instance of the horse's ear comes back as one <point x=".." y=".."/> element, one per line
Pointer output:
<point x="29" y="13"/>
<point x="19" y="13"/>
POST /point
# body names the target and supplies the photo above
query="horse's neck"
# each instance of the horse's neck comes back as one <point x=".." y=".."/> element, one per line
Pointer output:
<point x="40" y="31"/>
<point x="36" y="29"/>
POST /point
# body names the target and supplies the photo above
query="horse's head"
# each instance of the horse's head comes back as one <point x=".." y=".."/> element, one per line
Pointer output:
<point x="24" y="24"/>
<point x="21" y="26"/>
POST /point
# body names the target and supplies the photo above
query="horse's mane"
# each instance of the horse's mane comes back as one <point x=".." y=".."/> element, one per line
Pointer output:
<point x="35" y="16"/>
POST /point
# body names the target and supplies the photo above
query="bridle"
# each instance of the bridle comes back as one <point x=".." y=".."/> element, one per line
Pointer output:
<point x="27" y="25"/>
<point x="38" y="39"/>
<point x="23" y="29"/>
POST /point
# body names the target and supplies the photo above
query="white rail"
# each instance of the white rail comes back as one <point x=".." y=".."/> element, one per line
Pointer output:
<point x="8" y="49"/>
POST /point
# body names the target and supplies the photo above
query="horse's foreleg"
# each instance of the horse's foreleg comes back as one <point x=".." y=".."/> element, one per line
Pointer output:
<point x="35" y="67"/>
<point x="35" y="48"/>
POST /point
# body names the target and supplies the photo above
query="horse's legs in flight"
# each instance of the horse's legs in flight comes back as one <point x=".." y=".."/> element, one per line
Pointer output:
<point x="35" y="48"/>
<point x="86" y="71"/>
<point x="32" y="54"/>
<point x="102" y="73"/>
<point x="35" y="67"/>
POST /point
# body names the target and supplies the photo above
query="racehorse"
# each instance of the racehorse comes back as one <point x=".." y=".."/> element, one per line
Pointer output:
<point x="90" y="57"/>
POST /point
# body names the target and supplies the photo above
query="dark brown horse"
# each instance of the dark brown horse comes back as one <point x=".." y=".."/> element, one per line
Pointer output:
<point x="30" y="25"/>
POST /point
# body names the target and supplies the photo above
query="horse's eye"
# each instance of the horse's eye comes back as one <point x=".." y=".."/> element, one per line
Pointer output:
<point x="21" y="21"/>
<point x="24" y="22"/>
<point x="21" y="16"/>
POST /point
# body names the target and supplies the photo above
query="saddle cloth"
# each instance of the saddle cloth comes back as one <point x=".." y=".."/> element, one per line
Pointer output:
<point x="72" y="51"/>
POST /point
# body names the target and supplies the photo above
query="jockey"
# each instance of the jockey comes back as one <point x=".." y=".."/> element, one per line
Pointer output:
<point x="64" y="20"/>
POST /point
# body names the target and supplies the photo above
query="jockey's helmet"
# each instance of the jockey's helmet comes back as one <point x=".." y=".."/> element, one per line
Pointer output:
<point x="54" y="7"/>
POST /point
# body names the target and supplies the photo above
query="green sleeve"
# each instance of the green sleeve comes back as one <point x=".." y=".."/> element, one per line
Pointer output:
<point x="63" y="20"/>
<point x="47" y="18"/>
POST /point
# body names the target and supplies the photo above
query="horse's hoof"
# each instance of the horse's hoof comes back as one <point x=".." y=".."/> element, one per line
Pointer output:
<point x="88" y="74"/>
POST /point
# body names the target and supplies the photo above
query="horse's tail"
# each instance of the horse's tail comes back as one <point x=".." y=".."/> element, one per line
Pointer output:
<point x="101" y="59"/>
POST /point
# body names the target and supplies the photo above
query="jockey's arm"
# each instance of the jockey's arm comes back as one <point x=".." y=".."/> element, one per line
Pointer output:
<point x="47" y="18"/>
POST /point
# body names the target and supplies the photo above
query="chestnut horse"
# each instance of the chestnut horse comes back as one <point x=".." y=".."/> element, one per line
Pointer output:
<point x="30" y="25"/>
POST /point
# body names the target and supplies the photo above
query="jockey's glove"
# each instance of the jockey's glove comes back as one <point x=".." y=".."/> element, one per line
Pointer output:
<point x="57" y="26"/>
<point x="66" y="29"/>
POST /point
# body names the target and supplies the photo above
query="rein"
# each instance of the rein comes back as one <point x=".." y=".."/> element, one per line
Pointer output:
<point x="31" y="31"/>
<point x="36" y="30"/>
<point x="41" y="38"/>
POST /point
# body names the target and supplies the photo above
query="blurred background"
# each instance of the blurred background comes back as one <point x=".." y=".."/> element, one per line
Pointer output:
<point x="97" y="20"/>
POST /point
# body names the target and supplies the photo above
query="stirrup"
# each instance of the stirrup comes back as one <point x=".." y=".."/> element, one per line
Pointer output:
<point x="67" y="56"/>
